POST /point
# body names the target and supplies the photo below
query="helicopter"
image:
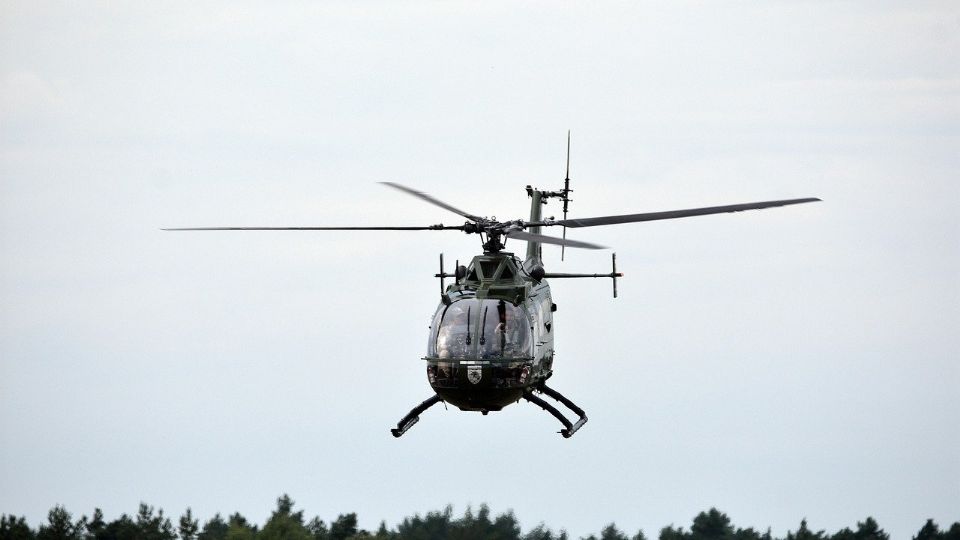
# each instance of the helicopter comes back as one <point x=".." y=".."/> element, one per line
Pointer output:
<point x="491" y="338"/>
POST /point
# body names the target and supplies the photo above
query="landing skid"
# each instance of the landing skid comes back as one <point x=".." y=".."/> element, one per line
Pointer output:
<point x="413" y="416"/>
<point x="569" y="427"/>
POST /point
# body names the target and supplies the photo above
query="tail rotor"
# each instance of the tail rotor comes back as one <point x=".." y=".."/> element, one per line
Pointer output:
<point x="565" y="197"/>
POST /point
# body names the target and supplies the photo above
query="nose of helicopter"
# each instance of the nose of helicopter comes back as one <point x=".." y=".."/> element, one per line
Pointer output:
<point x="479" y="385"/>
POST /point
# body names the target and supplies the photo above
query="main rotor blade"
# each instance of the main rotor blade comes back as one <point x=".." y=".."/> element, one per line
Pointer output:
<point x="672" y="214"/>
<point x="431" y="200"/>
<point x="543" y="239"/>
<point x="429" y="228"/>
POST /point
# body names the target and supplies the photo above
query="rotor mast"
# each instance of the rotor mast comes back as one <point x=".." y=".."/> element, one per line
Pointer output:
<point x="536" y="214"/>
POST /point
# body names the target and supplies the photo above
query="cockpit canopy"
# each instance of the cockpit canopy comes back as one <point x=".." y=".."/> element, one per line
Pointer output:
<point x="474" y="328"/>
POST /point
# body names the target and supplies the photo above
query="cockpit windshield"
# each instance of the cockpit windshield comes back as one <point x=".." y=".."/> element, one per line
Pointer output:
<point x="472" y="328"/>
<point x="450" y="333"/>
<point x="504" y="329"/>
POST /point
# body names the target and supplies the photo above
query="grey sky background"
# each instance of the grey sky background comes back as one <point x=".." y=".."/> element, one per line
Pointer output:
<point x="780" y="364"/>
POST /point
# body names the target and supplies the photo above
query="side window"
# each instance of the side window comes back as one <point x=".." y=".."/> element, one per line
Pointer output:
<point x="546" y="314"/>
<point x="472" y="273"/>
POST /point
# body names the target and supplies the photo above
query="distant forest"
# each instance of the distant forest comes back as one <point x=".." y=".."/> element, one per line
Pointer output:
<point x="287" y="524"/>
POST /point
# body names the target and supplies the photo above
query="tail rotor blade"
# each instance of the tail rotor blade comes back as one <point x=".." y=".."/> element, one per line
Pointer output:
<point x="563" y="248"/>
<point x="566" y="195"/>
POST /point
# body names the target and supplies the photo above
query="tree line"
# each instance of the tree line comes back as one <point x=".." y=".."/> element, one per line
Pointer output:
<point x="286" y="524"/>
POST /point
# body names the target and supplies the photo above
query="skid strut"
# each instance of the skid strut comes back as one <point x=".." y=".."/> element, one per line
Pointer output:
<point x="569" y="427"/>
<point x="413" y="416"/>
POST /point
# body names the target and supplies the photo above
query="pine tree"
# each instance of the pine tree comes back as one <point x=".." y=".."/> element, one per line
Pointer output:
<point x="285" y="524"/>
<point x="122" y="528"/>
<point x="804" y="533"/>
<point x="383" y="533"/>
<point x="611" y="532"/>
<point x="188" y="526"/>
<point x="153" y="527"/>
<point x="843" y="534"/>
<point x="669" y="533"/>
<point x="505" y="527"/>
<point x="711" y="525"/>
<point x="344" y="527"/>
<point x="540" y="532"/>
<point x="870" y="530"/>
<point x="318" y="529"/>
<point x="214" y="529"/>
<point x="238" y="528"/>
<point x="95" y="526"/>
<point x="60" y="526"/>
<point x="12" y="528"/>
<point x="929" y="531"/>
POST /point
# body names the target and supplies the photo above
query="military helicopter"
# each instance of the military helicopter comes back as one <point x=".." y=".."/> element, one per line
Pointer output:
<point x="491" y="337"/>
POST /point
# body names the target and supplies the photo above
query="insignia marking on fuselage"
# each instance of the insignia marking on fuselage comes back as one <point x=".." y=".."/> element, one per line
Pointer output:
<point x="474" y="374"/>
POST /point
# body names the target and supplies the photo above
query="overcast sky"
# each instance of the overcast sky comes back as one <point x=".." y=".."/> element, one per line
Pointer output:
<point x="778" y="364"/>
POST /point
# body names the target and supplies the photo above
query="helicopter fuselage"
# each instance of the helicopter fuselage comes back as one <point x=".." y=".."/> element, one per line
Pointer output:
<point x="491" y="337"/>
